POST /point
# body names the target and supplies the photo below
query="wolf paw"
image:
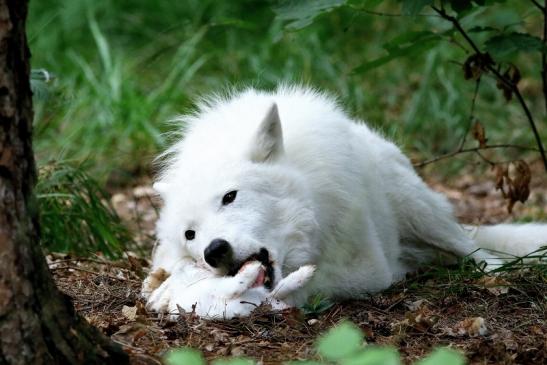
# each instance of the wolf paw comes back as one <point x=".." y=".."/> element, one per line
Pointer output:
<point x="293" y="281"/>
<point x="158" y="301"/>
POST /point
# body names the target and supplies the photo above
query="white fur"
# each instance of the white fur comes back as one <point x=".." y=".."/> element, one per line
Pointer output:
<point x="314" y="188"/>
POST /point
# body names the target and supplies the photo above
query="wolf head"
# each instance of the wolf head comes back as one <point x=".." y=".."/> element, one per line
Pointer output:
<point x="231" y="195"/>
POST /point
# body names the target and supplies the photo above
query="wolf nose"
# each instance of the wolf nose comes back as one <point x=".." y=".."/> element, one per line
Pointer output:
<point x="217" y="252"/>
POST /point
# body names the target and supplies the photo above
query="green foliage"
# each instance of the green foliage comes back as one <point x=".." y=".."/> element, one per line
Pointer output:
<point x="341" y="342"/>
<point x="443" y="357"/>
<point x="413" y="7"/>
<point x="374" y="356"/>
<point x="301" y="13"/>
<point x="184" y="356"/>
<point x="507" y="46"/>
<point x="75" y="213"/>
<point x="342" y="345"/>
<point x="317" y="304"/>
<point x="123" y="68"/>
<point x="406" y="44"/>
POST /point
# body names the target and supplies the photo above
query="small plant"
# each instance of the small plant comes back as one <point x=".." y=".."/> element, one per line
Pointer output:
<point x="317" y="304"/>
<point x="75" y="213"/>
<point x="341" y="345"/>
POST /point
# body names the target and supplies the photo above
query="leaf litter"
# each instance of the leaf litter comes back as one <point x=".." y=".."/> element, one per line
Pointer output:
<point x="492" y="319"/>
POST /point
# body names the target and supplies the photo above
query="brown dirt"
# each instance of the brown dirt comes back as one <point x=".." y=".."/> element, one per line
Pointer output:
<point x="436" y="307"/>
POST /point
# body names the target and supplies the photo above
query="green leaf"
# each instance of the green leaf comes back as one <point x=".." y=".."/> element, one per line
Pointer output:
<point x="368" y="4"/>
<point x="410" y="38"/>
<point x="481" y="29"/>
<point x="443" y="356"/>
<point x="184" y="356"/>
<point x="317" y="304"/>
<point x="234" y="361"/>
<point x="413" y="7"/>
<point x="460" y="6"/>
<point x="407" y="44"/>
<point x="302" y="13"/>
<point x="305" y="362"/>
<point x="506" y="46"/>
<point x="374" y="356"/>
<point x="341" y="341"/>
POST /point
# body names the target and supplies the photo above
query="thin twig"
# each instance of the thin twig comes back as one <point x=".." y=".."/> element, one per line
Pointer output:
<point x="93" y="273"/>
<point x="380" y="13"/>
<point x="474" y="150"/>
<point x="471" y="114"/>
<point x="88" y="259"/>
<point x="500" y="77"/>
<point x="485" y="159"/>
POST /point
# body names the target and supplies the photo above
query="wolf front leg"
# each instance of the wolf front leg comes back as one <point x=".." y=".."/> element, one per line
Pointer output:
<point x="165" y="256"/>
<point x="213" y="297"/>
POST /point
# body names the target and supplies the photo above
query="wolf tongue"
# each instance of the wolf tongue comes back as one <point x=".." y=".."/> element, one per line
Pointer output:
<point x="260" y="278"/>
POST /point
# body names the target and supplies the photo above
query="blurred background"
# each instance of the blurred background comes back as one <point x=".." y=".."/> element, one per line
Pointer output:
<point x="109" y="75"/>
<point x="121" y="69"/>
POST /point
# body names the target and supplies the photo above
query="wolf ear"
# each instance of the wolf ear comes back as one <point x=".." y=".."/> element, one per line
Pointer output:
<point x="268" y="141"/>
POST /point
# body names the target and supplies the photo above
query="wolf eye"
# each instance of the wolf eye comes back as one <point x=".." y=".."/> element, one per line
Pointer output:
<point x="190" y="234"/>
<point x="229" y="197"/>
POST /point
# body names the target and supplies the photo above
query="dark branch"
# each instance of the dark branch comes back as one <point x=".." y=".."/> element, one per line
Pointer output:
<point x="500" y="77"/>
<point x="471" y="114"/>
<point x="538" y="5"/>
<point x="473" y="150"/>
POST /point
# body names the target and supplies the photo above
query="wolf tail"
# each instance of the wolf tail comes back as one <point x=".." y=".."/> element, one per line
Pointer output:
<point x="508" y="241"/>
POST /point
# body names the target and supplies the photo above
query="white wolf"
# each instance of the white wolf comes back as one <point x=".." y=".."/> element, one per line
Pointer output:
<point x="287" y="179"/>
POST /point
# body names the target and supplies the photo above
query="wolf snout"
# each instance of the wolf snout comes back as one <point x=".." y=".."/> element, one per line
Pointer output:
<point x="218" y="253"/>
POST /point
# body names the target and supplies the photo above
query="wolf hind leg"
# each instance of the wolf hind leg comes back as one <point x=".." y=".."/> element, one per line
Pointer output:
<point x="426" y="217"/>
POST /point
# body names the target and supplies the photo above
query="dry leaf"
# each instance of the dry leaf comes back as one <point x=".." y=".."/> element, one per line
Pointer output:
<point x="475" y="326"/>
<point x="313" y="321"/>
<point x="129" y="333"/>
<point x="494" y="284"/>
<point x="479" y="134"/>
<point x="521" y="182"/>
<point x="513" y="180"/>
<point x="501" y="173"/>
<point x="414" y="306"/>
<point x="511" y="78"/>
<point x="129" y="312"/>
<point x="420" y="320"/>
<point x="476" y="65"/>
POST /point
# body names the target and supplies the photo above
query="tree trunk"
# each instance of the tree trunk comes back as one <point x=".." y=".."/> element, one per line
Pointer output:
<point x="38" y="324"/>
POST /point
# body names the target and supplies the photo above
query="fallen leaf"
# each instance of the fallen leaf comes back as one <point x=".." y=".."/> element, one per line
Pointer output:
<point x="313" y="321"/>
<point x="129" y="312"/>
<point x="473" y="327"/>
<point x="421" y="320"/>
<point x="414" y="306"/>
<point x="129" y="333"/>
<point x="494" y="284"/>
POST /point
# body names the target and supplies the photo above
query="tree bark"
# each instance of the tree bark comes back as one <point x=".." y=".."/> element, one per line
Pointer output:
<point x="38" y="324"/>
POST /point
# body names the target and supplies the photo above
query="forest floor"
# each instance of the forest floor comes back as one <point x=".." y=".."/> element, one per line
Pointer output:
<point x="491" y="319"/>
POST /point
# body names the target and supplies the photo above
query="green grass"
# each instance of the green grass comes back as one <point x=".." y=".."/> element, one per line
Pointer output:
<point x="124" y="68"/>
<point x="528" y="274"/>
<point x="75" y="214"/>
